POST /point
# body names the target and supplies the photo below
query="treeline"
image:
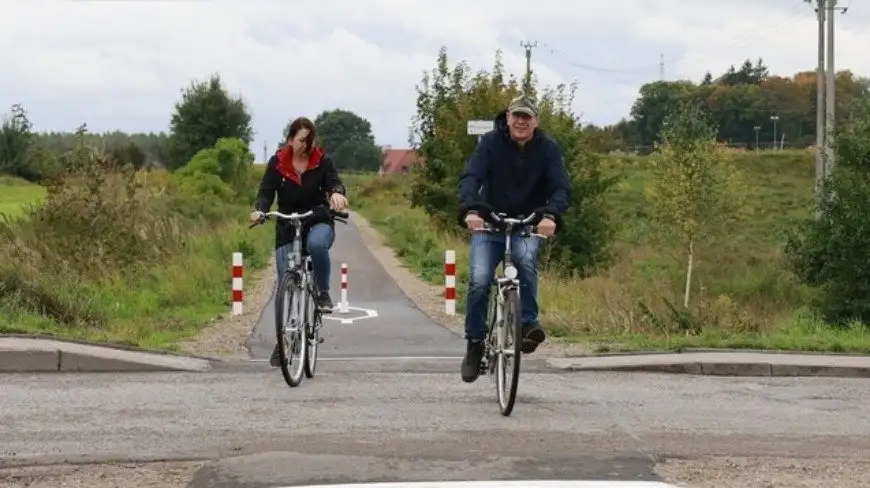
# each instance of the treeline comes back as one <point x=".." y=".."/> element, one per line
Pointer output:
<point x="38" y="156"/>
<point x="740" y="102"/>
<point x="205" y="114"/>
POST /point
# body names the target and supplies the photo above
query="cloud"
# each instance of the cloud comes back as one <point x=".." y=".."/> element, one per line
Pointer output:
<point x="122" y="64"/>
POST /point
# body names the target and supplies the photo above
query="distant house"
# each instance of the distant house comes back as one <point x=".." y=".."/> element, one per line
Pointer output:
<point x="398" y="161"/>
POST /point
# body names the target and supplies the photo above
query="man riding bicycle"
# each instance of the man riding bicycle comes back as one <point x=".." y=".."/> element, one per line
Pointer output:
<point x="516" y="169"/>
<point x="303" y="177"/>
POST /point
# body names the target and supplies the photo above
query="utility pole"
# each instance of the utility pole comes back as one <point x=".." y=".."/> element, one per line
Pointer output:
<point x="756" y="129"/>
<point x="775" y="119"/>
<point x="826" y="91"/>
<point x="528" y="46"/>
<point x="820" y="99"/>
<point x="661" y="67"/>
<point x="830" y="92"/>
<point x="265" y="151"/>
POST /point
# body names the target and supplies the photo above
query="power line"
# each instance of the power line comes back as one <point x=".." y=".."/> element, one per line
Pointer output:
<point x="733" y="41"/>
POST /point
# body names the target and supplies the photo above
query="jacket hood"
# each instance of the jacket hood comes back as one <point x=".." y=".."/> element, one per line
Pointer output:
<point x="501" y="122"/>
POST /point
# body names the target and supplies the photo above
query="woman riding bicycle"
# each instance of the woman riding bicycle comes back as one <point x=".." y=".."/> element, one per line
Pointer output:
<point x="303" y="177"/>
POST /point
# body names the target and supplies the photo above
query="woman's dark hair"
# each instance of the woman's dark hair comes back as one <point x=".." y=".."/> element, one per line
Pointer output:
<point x="299" y="124"/>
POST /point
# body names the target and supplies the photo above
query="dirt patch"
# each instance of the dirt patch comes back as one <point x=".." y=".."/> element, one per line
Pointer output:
<point x="430" y="298"/>
<point x="122" y="475"/>
<point x="225" y="337"/>
<point x="755" y="472"/>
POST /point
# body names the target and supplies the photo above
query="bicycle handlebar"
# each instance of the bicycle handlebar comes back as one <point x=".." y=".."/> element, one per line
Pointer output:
<point x="490" y="228"/>
<point x="296" y="216"/>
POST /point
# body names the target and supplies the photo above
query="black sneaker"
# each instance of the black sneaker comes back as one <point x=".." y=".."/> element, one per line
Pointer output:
<point x="471" y="363"/>
<point x="275" y="360"/>
<point x="324" y="303"/>
<point x="533" y="336"/>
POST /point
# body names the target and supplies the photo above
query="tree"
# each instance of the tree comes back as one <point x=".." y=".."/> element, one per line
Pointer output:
<point x="694" y="190"/>
<point x="832" y="252"/>
<point x="205" y="114"/>
<point x="131" y="154"/>
<point x="220" y="170"/>
<point x="348" y="138"/>
<point x="16" y="142"/>
<point x="654" y="101"/>
<point x="448" y="97"/>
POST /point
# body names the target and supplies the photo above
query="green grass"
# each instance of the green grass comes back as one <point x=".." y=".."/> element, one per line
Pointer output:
<point x="15" y="193"/>
<point x="743" y="295"/>
<point x="156" y="304"/>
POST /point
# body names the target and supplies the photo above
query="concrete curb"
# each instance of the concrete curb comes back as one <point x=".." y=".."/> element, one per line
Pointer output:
<point x="724" y="364"/>
<point x="36" y="355"/>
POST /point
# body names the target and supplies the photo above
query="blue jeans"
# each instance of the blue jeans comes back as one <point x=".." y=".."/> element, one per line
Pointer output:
<point x="487" y="251"/>
<point x="317" y="243"/>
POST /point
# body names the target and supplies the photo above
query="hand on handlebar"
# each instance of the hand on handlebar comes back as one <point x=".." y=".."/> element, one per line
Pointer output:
<point x="474" y="222"/>
<point x="338" y="202"/>
<point x="547" y="227"/>
<point x="256" y="216"/>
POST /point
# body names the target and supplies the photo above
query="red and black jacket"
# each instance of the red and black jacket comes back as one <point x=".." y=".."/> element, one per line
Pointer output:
<point x="298" y="193"/>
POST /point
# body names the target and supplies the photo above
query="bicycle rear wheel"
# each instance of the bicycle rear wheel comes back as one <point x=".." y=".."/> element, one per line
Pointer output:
<point x="314" y="323"/>
<point x="290" y="331"/>
<point x="509" y="342"/>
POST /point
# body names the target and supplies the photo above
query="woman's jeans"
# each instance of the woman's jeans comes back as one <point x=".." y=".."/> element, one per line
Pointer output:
<point x="317" y="243"/>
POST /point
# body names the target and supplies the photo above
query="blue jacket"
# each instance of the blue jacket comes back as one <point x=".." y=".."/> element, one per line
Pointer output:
<point x="515" y="180"/>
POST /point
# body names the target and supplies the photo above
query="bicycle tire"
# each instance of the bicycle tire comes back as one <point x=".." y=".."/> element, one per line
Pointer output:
<point x="313" y="337"/>
<point x="286" y="294"/>
<point x="488" y="366"/>
<point x="512" y="321"/>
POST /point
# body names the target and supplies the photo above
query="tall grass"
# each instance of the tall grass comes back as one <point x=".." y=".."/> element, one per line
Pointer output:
<point x="116" y="256"/>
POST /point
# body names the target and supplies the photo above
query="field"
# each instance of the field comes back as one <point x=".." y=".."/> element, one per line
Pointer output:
<point x="744" y="296"/>
<point x="14" y="194"/>
<point x="151" y="305"/>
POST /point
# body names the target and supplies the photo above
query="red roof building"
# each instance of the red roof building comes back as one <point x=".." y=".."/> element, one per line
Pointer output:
<point x="398" y="161"/>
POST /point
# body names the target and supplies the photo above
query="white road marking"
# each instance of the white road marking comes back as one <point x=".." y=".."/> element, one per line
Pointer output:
<point x="377" y="358"/>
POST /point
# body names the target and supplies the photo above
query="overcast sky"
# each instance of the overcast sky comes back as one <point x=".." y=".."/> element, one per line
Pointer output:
<point x="121" y="64"/>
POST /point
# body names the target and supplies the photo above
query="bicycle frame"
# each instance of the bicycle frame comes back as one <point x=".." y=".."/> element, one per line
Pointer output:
<point x="301" y="321"/>
<point x="508" y="279"/>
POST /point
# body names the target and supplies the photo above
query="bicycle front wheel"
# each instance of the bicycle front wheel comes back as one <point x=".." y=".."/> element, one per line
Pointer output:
<point x="290" y="331"/>
<point x="315" y="321"/>
<point x="509" y="342"/>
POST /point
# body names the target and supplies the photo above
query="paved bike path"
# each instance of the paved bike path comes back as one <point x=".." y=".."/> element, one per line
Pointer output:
<point x="400" y="329"/>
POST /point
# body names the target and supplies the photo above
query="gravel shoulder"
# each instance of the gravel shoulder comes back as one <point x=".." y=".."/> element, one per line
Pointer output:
<point x="226" y="336"/>
<point x="755" y="472"/>
<point x="122" y="475"/>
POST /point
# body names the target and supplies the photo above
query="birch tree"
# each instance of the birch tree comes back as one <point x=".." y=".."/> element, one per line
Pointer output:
<point x="695" y="192"/>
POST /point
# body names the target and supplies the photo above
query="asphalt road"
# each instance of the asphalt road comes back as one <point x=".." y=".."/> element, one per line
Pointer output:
<point x="400" y="329"/>
<point x="381" y="410"/>
<point x="422" y="422"/>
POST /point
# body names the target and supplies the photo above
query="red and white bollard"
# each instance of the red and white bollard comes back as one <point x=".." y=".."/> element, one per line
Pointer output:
<point x="238" y="295"/>
<point x="342" y="306"/>
<point x="450" y="282"/>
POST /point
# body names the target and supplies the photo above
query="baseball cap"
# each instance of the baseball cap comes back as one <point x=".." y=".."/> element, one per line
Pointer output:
<point x="523" y="104"/>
